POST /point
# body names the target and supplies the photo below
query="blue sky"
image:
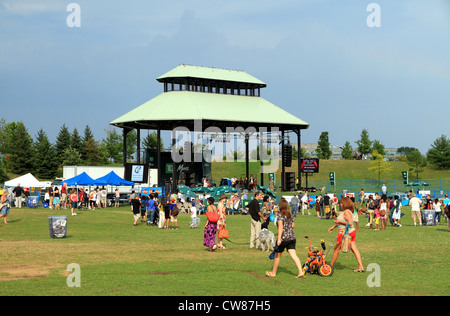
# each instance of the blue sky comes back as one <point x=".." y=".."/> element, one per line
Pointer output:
<point x="319" y="58"/>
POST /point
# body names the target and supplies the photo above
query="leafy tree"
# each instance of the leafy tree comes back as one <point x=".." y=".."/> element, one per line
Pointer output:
<point x="45" y="158"/>
<point x="439" y="153"/>
<point x="323" y="146"/>
<point x="379" y="147"/>
<point x="378" y="165"/>
<point x="113" y="145"/>
<point x="3" y="175"/>
<point x="21" y="151"/>
<point x="405" y="151"/>
<point x="71" y="157"/>
<point x="417" y="162"/>
<point x="364" y="143"/>
<point x="347" y="151"/>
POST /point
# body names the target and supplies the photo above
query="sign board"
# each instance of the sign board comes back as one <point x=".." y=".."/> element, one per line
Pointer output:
<point x="309" y="165"/>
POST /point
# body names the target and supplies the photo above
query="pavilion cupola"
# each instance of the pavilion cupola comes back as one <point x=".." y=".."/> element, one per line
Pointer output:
<point x="211" y="80"/>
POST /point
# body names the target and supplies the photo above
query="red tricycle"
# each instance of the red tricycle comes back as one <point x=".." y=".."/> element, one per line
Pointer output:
<point x="316" y="263"/>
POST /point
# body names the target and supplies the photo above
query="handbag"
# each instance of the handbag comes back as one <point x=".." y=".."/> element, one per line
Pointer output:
<point x="345" y="241"/>
<point x="212" y="217"/>
<point x="223" y="232"/>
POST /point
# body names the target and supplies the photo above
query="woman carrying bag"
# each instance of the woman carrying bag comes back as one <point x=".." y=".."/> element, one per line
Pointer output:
<point x="211" y="225"/>
<point x="344" y="223"/>
<point x="223" y="232"/>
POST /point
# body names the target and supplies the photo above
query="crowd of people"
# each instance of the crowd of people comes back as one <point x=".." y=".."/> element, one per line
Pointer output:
<point x="162" y="211"/>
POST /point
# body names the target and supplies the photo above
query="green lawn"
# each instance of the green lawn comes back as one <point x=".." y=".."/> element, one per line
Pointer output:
<point x="117" y="258"/>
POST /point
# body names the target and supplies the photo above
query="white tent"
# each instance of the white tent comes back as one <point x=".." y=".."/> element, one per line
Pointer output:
<point x="26" y="181"/>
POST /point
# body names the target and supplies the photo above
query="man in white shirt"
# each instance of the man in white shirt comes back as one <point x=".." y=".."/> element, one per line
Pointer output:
<point x="415" y="209"/>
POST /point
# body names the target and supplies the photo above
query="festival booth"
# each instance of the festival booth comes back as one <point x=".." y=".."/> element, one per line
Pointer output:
<point x="113" y="179"/>
<point x="29" y="181"/>
<point x="81" y="179"/>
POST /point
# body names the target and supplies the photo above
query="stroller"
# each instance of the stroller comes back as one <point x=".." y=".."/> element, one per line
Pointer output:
<point x="316" y="263"/>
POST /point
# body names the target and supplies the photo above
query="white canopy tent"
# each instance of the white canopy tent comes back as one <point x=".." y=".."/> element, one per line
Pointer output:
<point x="26" y="181"/>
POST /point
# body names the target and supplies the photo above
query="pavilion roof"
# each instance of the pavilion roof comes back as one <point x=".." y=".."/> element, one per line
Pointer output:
<point x="198" y="72"/>
<point x="181" y="108"/>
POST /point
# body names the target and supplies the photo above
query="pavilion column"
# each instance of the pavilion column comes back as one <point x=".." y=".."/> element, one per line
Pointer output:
<point x="247" y="136"/>
<point x="174" y="169"/>
<point x="283" y="174"/>
<point x="138" y="146"/>
<point x="158" y="144"/>
<point x="299" y="149"/>
<point x="125" y="132"/>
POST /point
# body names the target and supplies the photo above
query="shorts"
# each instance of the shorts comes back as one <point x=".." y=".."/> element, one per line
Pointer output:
<point x="289" y="244"/>
<point x="416" y="214"/>
<point x="5" y="210"/>
<point x="341" y="232"/>
<point x="74" y="204"/>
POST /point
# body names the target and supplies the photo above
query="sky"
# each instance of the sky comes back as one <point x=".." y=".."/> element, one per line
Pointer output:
<point x="341" y="66"/>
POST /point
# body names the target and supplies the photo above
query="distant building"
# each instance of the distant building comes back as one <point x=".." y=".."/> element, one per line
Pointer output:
<point x="310" y="150"/>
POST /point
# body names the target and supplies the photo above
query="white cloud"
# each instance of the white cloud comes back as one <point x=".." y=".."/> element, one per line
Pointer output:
<point x="28" y="7"/>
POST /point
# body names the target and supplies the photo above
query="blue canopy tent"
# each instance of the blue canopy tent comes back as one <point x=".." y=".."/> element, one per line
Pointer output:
<point x="112" y="179"/>
<point x="81" y="179"/>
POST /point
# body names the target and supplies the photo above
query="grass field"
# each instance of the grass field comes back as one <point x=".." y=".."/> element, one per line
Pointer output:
<point x="344" y="169"/>
<point x="117" y="258"/>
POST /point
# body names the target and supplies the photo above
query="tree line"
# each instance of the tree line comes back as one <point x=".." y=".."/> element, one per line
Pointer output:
<point x="20" y="153"/>
<point x="438" y="155"/>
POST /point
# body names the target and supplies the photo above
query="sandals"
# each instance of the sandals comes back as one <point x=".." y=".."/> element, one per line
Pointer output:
<point x="359" y="270"/>
<point x="270" y="274"/>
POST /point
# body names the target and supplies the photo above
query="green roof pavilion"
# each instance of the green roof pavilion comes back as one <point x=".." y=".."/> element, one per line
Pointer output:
<point x="218" y="97"/>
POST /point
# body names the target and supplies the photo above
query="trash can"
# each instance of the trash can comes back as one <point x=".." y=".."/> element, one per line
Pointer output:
<point x="429" y="217"/>
<point x="58" y="226"/>
<point x="32" y="201"/>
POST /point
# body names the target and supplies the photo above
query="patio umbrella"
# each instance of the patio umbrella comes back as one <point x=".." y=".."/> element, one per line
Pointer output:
<point x="185" y="190"/>
<point x="267" y="191"/>
<point x="202" y="190"/>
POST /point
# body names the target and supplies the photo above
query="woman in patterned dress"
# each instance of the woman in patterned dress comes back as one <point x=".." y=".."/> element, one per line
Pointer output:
<point x="210" y="228"/>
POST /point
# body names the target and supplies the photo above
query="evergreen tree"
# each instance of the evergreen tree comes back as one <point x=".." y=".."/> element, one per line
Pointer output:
<point x="63" y="141"/>
<point x="93" y="153"/>
<point x="45" y="158"/>
<point x="364" y="143"/>
<point x="323" y="146"/>
<point x="86" y="139"/>
<point x="347" y="151"/>
<point x="75" y="141"/>
<point x="439" y="153"/>
<point x="21" y="151"/>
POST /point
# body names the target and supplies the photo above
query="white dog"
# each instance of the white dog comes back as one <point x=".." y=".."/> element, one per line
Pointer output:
<point x="267" y="239"/>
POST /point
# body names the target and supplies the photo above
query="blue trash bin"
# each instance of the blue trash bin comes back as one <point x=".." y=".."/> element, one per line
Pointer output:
<point x="32" y="201"/>
<point x="429" y="217"/>
<point x="58" y="226"/>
